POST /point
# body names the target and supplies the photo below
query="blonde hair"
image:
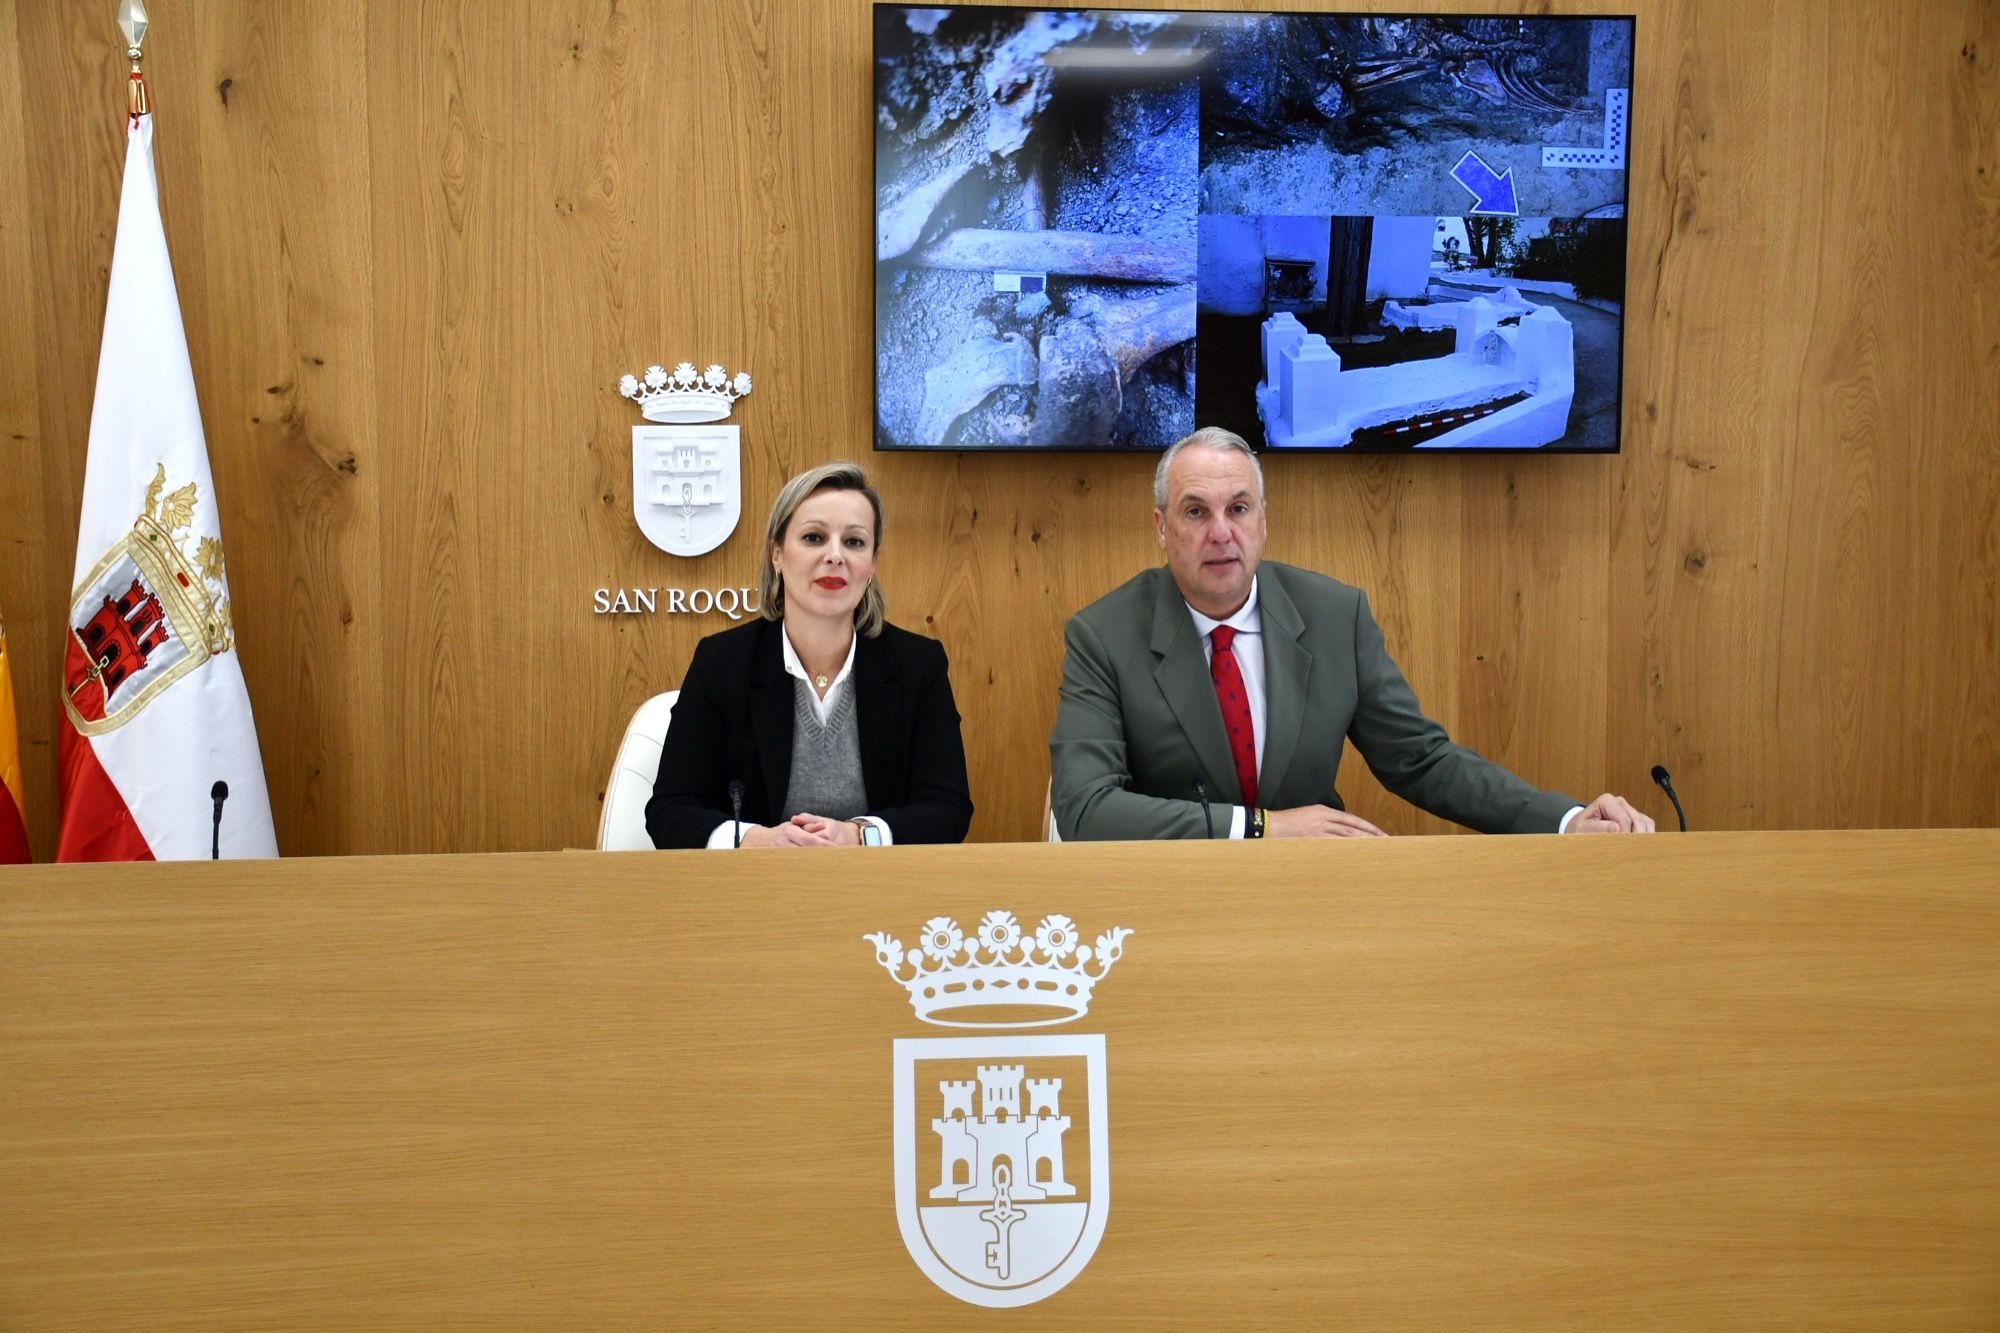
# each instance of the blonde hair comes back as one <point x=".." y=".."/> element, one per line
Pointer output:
<point x="873" y="609"/>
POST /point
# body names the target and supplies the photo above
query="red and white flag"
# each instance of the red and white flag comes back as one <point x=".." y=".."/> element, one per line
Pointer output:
<point x="155" y="712"/>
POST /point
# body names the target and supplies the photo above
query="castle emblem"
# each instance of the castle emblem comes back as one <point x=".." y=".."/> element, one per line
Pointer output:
<point x="1002" y="1143"/>
<point x="687" y="473"/>
<point x="153" y="609"/>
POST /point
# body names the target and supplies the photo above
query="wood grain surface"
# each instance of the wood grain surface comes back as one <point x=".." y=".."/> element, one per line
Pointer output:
<point x="418" y="242"/>
<point x="1731" y="1081"/>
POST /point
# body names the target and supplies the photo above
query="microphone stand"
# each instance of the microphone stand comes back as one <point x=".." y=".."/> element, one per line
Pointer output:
<point x="1666" y="783"/>
<point x="218" y="793"/>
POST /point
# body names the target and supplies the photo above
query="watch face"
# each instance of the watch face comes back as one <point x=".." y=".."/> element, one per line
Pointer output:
<point x="871" y="836"/>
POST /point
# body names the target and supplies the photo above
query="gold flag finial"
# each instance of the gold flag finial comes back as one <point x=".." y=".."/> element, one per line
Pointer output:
<point x="132" y="22"/>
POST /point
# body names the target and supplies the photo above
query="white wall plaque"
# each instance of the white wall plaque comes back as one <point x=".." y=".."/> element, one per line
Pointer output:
<point x="687" y="485"/>
<point x="687" y="479"/>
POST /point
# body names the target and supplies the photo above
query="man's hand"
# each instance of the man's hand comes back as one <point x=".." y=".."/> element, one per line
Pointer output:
<point x="1322" y="821"/>
<point x="1610" y="814"/>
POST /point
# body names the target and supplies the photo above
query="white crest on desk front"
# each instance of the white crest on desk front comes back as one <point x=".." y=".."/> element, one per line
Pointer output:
<point x="687" y="478"/>
<point x="1002" y="1142"/>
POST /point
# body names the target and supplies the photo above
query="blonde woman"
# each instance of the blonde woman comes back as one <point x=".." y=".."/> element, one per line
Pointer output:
<point x="820" y="724"/>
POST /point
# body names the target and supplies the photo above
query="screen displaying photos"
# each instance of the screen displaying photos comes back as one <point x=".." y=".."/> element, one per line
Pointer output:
<point x="1098" y="229"/>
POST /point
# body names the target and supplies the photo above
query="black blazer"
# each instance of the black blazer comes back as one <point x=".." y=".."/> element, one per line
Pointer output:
<point x="734" y="721"/>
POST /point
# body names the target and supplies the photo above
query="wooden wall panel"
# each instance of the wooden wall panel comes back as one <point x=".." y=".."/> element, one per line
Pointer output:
<point x="1704" y="467"/>
<point x="24" y="578"/>
<point x="290" y="410"/>
<point x="440" y="230"/>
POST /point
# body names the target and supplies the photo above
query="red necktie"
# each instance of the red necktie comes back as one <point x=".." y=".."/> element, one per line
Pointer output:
<point x="1228" y="678"/>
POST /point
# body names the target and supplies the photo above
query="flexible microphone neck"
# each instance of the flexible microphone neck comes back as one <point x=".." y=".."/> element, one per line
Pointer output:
<point x="1201" y="794"/>
<point x="736" y="812"/>
<point x="1666" y="784"/>
<point x="218" y="793"/>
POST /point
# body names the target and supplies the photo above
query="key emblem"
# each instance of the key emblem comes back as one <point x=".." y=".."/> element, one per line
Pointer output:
<point x="1001" y="1217"/>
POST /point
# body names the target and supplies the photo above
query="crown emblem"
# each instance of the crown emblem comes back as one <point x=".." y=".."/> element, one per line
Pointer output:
<point x="1048" y="972"/>
<point x="686" y="394"/>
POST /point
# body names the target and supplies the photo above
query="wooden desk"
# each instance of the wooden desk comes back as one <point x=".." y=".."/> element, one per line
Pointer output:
<point x="1725" y="1081"/>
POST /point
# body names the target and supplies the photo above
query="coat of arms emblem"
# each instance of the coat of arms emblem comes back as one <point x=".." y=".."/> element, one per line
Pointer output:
<point x="150" y="611"/>
<point x="687" y="479"/>
<point x="1002" y="1142"/>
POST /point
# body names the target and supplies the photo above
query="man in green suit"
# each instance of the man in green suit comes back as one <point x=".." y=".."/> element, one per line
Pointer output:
<point x="1209" y="698"/>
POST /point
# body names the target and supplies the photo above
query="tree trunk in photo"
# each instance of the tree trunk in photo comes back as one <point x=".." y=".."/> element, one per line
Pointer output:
<point x="1485" y="236"/>
<point x="1347" y="249"/>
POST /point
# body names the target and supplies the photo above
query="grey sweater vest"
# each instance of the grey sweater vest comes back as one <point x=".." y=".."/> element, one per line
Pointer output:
<point x="826" y="759"/>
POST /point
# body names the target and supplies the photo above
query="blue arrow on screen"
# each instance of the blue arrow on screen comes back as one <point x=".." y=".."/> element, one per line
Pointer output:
<point x="1490" y="193"/>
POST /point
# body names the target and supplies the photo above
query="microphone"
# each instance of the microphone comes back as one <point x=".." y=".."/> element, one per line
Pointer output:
<point x="736" y="811"/>
<point x="1201" y="793"/>
<point x="219" y="793"/>
<point x="1666" y="783"/>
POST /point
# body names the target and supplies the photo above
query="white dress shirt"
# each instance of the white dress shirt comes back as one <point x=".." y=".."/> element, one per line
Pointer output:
<point x="795" y="666"/>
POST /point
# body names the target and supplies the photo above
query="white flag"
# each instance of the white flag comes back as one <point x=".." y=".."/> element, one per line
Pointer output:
<point x="156" y="718"/>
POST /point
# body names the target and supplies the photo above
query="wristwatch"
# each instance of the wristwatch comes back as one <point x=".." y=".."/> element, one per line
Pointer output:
<point x="868" y="833"/>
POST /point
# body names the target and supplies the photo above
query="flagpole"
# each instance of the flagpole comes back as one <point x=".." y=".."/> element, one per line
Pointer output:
<point x="132" y="22"/>
<point x="163" y="718"/>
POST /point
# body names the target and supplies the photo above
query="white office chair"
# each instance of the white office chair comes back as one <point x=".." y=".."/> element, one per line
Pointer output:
<point x="622" y="826"/>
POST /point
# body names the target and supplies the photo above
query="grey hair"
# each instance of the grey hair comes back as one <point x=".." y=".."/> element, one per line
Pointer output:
<point x="1208" y="437"/>
<point x="873" y="609"/>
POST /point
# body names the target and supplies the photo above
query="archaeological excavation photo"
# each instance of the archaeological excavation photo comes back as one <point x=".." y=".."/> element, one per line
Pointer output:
<point x="1035" y="235"/>
<point x="1096" y="228"/>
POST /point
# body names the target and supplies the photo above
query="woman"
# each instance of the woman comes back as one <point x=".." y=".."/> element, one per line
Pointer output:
<point x="831" y="726"/>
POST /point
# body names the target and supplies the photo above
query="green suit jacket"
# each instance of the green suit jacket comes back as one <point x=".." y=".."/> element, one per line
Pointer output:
<point x="1139" y="719"/>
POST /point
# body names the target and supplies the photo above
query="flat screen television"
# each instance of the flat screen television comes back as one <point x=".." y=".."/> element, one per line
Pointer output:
<point x="1096" y="229"/>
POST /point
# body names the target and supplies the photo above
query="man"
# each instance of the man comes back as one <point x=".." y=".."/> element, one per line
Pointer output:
<point x="1209" y="698"/>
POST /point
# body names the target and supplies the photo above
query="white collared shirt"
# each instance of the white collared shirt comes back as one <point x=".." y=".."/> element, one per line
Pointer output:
<point x="795" y="665"/>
